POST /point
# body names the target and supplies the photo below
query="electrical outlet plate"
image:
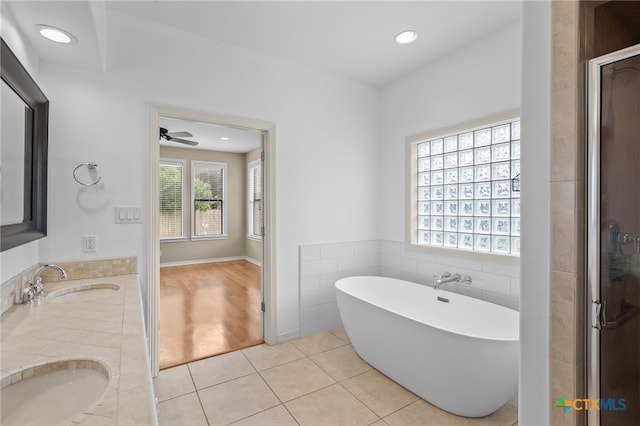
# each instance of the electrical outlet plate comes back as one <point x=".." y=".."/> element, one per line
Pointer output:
<point x="89" y="243"/>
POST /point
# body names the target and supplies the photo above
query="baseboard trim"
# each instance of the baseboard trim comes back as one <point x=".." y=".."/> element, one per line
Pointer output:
<point x="289" y="336"/>
<point x="212" y="260"/>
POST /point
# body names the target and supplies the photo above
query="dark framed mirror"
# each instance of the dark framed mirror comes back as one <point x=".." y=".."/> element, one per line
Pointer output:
<point x="24" y="126"/>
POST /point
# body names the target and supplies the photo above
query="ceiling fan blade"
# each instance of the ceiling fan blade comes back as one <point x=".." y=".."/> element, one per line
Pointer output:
<point x="184" y="141"/>
<point x="180" y="134"/>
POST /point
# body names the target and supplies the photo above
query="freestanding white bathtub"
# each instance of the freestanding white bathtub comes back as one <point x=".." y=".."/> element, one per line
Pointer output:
<point x="460" y="355"/>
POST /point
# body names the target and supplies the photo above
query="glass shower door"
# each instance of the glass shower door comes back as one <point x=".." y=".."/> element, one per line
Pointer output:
<point x="614" y="237"/>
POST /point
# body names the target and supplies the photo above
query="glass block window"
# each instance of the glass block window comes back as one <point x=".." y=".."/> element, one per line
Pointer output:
<point x="464" y="194"/>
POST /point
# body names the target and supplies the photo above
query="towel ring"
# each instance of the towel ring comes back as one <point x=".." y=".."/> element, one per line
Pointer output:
<point x="90" y="166"/>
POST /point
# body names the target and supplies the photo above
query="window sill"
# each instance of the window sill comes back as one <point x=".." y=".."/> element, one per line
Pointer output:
<point x="208" y="237"/>
<point x="172" y="240"/>
<point x="505" y="259"/>
<point x="254" y="237"/>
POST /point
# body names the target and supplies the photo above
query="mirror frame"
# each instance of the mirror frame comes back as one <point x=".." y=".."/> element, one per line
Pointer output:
<point x="34" y="224"/>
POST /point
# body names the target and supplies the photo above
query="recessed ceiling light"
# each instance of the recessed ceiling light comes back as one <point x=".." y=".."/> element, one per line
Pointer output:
<point x="224" y="138"/>
<point x="56" y="34"/>
<point x="406" y="37"/>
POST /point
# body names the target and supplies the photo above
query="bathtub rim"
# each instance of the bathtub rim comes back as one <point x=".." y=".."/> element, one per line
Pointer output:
<point x="440" y="291"/>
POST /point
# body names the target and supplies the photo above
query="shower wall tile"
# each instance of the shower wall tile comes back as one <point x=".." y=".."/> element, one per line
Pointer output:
<point x="563" y="318"/>
<point x="562" y="384"/>
<point x="564" y="158"/>
<point x="564" y="54"/>
<point x="566" y="324"/>
<point x="563" y="226"/>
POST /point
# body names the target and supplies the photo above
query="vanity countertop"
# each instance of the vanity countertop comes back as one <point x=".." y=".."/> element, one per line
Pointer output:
<point x="107" y="327"/>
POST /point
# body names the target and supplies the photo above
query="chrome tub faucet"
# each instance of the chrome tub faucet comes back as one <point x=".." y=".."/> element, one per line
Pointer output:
<point x="36" y="288"/>
<point x="447" y="277"/>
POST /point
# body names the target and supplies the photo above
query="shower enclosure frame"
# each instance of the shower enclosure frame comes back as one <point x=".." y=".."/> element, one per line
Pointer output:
<point x="594" y="302"/>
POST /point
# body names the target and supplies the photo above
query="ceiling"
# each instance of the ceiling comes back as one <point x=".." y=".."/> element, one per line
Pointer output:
<point x="209" y="136"/>
<point x="351" y="39"/>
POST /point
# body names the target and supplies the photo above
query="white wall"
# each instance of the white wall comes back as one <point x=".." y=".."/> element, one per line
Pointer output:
<point x="534" y="399"/>
<point x="326" y="130"/>
<point x="18" y="259"/>
<point x="479" y="80"/>
<point x="482" y="79"/>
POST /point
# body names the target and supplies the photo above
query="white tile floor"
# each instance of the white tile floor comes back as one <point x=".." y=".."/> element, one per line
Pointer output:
<point x="316" y="380"/>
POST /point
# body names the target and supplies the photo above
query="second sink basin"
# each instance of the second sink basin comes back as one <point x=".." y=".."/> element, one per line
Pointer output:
<point x="52" y="393"/>
<point x="82" y="292"/>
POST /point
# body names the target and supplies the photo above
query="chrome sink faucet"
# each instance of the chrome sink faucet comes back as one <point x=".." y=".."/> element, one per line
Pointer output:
<point x="36" y="288"/>
<point x="447" y="277"/>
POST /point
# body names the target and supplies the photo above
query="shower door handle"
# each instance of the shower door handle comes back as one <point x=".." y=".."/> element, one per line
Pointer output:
<point x="599" y="318"/>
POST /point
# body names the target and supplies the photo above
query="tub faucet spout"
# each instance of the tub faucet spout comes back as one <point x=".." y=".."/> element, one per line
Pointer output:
<point x="447" y="277"/>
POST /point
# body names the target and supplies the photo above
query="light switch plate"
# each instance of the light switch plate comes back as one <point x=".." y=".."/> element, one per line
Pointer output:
<point x="128" y="214"/>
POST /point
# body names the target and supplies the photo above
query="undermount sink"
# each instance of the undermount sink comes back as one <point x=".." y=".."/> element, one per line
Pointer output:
<point x="52" y="393"/>
<point x="82" y="292"/>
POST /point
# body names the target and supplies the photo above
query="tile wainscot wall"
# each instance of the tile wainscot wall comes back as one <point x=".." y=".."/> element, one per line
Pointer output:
<point x="322" y="264"/>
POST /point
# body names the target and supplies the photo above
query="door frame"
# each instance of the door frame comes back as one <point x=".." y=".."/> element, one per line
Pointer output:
<point x="593" y="219"/>
<point x="155" y="111"/>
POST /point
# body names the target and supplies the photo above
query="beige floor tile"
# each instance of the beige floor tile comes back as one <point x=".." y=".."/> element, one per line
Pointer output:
<point x="296" y="378"/>
<point x="330" y="406"/>
<point x="421" y="413"/>
<point x="232" y="401"/>
<point x="317" y="343"/>
<point x="277" y="415"/>
<point x="341" y="334"/>
<point x="379" y="393"/>
<point x="218" y="369"/>
<point x="91" y="420"/>
<point x="341" y="363"/>
<point x="265" y="356"/>
<point x="173" y="382"/>
<point x="184" y="410"/>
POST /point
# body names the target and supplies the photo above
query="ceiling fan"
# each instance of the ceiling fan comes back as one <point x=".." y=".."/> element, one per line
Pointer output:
<point x="177" y="137"/>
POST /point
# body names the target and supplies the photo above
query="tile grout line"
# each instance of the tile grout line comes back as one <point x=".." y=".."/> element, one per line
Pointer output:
<point x="198" y="396"/>
<point x="271" y="389"/>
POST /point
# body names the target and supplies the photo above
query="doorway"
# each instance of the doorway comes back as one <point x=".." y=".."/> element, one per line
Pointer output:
<point x="268" y="305"/>
<point x="210" y="219"/>
<point x="614" y="237"/>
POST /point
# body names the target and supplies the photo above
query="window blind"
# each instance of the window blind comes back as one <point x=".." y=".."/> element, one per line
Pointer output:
<point x="208" y="199"/>
<point x="171" y="196"/>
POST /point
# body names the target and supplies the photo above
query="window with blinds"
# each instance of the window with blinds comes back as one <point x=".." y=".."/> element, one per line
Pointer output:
<point x="255" y="200"/>
<point x="208" y="194"/>
<point x="171" y="199"/>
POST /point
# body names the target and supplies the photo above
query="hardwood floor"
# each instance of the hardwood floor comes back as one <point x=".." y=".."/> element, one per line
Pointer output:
<point x="208" y="309"/>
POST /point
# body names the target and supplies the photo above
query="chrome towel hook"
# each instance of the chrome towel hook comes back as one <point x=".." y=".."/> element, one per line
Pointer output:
<point x="90" y="166"/>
